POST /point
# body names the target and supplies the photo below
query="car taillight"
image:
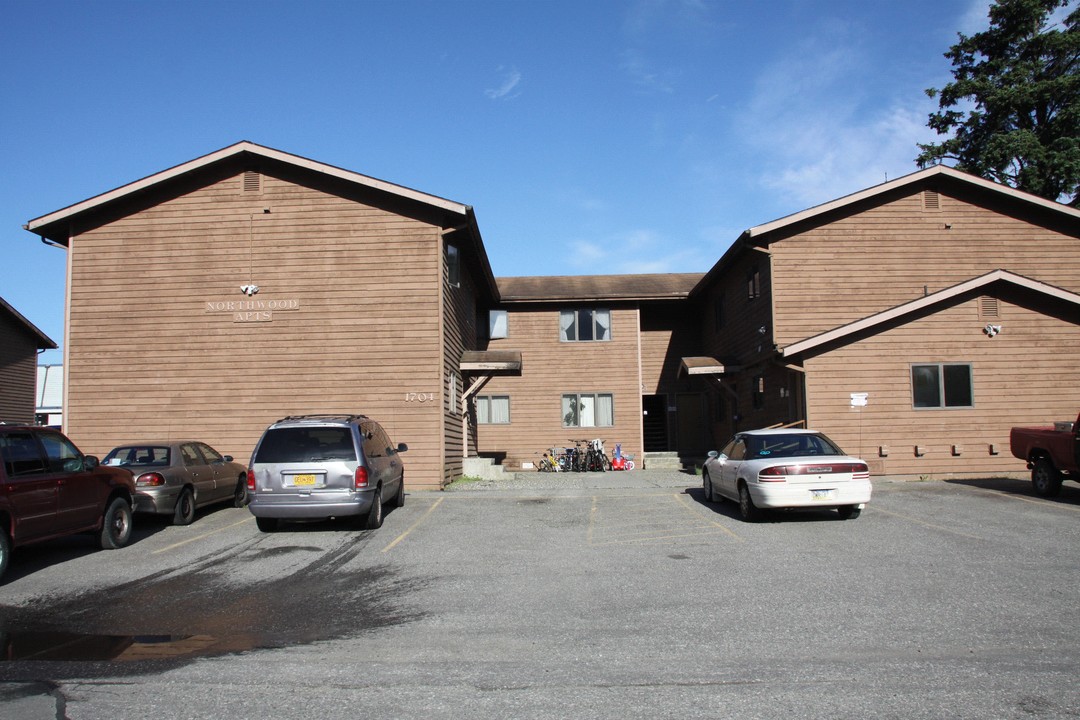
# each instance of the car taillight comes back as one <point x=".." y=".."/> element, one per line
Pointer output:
<point x="360" y="478"/>
<point x="150" y="479"/>
<point x="251" y="480"/>
<point x="776" y="473"/>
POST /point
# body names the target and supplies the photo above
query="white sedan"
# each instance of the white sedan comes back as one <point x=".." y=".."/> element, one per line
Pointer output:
<point x="786" y="468"/>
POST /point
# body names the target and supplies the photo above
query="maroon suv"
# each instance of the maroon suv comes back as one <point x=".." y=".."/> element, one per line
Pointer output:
<point x="49" y="489"/>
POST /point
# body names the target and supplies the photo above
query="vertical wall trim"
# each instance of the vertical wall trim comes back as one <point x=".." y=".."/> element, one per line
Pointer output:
<point x="640" y="391"/>
<point x="442" y="414"/>
<point x="66" y="407"/>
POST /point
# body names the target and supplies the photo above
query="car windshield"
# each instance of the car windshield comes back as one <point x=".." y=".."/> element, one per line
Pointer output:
<point x="300" y="444"/>
<point x="138" y="455"/>
<point x="793" y="445"/>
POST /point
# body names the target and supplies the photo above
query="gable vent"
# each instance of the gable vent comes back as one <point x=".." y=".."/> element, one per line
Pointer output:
<point x="252" y="181"/>
<point x="931" y="200"/>
<point x="988" y="307"/>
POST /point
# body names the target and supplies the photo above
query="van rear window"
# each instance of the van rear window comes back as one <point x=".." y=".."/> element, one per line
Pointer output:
<point x="286" y="445"/>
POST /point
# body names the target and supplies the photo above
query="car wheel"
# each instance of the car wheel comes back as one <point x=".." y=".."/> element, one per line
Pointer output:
<point x="184" y="513"/>
<point x="749" y="511"/>
<point x="849" y="512"/>
<point x="374" y="516"/>
<point x="240" y="497"/>
<point x="1045" y="478"/>
<point x="116" y="525"/>
<point x="399" y="499"/>
<point x="266" y="525"/>
<point x="5" y="551"/>
<point x="706" y="483"/>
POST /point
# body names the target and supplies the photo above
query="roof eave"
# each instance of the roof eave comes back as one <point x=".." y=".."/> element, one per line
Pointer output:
<point x="47" y="225"/>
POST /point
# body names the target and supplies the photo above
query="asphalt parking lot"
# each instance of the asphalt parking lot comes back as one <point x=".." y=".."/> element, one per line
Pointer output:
<point x="619" y="595"/>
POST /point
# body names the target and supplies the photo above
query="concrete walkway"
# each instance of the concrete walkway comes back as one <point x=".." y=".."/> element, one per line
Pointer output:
<point x="581" y="481"/>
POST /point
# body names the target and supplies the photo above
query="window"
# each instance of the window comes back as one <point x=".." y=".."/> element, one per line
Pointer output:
<point x="452" y="392"/>
<point x="584" y="325"/>
<point x="453" y="265"/>
<point x="497" y="324"/>
<point x="61" y="454"/>
<point x="758" y="393"/>
<point x="753" y="283"/>
<point x="493" y="410"/>
<point x="941" y="385"/>
<point x="588" y="410"/>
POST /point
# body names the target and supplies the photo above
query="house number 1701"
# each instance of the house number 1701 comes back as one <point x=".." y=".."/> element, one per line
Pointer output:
<point x="419" y="397"/>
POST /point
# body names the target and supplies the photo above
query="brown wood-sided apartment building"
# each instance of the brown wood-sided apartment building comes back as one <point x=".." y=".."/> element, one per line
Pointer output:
<point x="914" y="322"/>
<point x="20" y="341"/>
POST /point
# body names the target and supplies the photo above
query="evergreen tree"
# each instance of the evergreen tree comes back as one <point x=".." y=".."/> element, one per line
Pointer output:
<point x="1013" y="107"/>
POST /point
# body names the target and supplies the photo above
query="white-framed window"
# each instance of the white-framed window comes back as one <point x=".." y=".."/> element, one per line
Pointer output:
<point x="493" y="410"/>
<point x="584" y="325"/>
<point x="452" y="384"/>
<point x="588" y="410"/>
<point x="498" y="324"/>
<point x="941" y="385"/>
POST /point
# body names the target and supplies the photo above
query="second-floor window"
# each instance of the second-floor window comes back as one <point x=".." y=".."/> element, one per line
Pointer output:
<point x="584" y="325"/>
<point x="497" y="324"/>
<point x="753" y="283"/>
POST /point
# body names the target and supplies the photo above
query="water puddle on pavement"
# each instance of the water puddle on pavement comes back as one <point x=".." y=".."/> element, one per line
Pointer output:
<point x="68" y="646"/>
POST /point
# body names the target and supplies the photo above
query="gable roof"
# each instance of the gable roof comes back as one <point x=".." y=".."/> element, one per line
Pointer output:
<point x="43" y="341"/>
<point x="456" y="217"/>
<point x="757" y="235"/>
<point x="46" y="224"/>
<point x="933" y="172"/>
<point x="942" y="296"/>
<point x="569" y="288"/>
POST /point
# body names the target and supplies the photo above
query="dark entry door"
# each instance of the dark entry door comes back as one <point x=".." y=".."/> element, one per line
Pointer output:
<point x="654" y="422"/>
<point x="690" y="411"/>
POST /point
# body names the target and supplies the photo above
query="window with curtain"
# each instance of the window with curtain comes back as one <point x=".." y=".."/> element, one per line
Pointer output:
<point x="584" y="325"/>
<point x="941" y="385"/>
<point x="493" y="410"/>
<point x="588" y="410"/>
<point x="497" y="324"/>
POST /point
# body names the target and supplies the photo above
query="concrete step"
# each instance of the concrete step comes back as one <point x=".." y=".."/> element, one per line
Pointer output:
<point x="481" y="467"/>
<point x="663" y="461"/>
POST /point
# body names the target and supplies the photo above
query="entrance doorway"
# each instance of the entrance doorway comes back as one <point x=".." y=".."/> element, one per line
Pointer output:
<point x="654" y="422"/>
<point x="690" y="413"/>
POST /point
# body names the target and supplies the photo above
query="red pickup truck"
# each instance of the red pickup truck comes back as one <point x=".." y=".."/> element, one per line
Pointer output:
<point x="1052" y="454"/>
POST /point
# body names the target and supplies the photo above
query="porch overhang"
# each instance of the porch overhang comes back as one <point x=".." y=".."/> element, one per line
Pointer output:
<point x="704" y="366"/>
<point x="490" y="361"/>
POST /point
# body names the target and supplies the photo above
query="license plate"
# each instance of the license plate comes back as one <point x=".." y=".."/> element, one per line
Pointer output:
<point x="822" y="494"/>
<point x="303" y="479"/>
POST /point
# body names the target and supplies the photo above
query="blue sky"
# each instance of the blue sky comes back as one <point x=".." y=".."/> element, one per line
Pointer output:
<point x="605" y="136"/>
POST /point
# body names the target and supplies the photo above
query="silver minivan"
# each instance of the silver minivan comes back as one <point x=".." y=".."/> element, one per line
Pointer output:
<point x="324" y="466"/>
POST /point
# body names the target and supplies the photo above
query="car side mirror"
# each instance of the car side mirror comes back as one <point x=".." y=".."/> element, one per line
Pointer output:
<point x="90" y="462"/>
<point x="713" y="454"/>
<point x="402" y="447"/>
<point x="228" y="458"/>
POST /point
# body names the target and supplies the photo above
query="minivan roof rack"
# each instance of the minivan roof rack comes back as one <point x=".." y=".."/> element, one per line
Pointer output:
<point x="321" y="416"/>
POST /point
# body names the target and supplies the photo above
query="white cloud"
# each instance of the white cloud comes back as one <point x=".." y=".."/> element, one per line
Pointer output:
<point x="819" y="128"/>
<point x="636" y="251"/>
<point x="511" y="78"/>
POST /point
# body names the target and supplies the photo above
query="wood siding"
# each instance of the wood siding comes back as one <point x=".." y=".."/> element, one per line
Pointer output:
<point x="1025" y="375"/>
<point x="18" y="365"/>
<point x="884" y="256"/>
<point x="148" y="360"/>
<point x="551" y="368"/>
